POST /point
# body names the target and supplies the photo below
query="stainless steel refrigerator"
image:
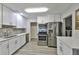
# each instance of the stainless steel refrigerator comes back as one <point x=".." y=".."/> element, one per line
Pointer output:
<point x="54" y="29"/>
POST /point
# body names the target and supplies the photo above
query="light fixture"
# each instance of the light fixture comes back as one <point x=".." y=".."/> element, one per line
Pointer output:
<point x="36" y="10"/>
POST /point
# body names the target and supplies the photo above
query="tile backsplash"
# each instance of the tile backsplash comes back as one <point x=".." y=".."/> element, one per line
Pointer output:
<point x="11" y="31"/>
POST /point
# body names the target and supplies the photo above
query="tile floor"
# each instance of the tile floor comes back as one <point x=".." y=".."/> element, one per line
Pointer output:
<point x="32" y="48"/>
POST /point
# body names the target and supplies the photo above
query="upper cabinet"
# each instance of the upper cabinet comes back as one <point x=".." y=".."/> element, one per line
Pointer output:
<point x="0" y="16"/>
<point x="48" y="18"/>
<point x="51" y="18"/>
<point x="57" y="18"/>
<point x="21" y="21"/>
<point x="9" y="17"/>
<point x="45" y="19"/>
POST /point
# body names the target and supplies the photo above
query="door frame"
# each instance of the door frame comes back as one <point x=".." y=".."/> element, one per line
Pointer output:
<point x="30" y="28"/>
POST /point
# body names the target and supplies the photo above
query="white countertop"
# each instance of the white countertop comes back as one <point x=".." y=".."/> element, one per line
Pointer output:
<point x="4" y="39"/>
<point x="70" y="41"/>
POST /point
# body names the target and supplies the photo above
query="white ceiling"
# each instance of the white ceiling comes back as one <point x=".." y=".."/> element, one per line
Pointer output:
<point x="54" y="8"/>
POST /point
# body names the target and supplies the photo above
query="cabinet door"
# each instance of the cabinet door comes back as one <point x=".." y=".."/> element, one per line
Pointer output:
<point x="19" y="21"/>
<point x="66" y="50"/>
<point x="14" y="19"/>
<point x="6" y="16"/>
<point x="22" y="40"/>
<point x="40" y="20"/>
<point x="0" y="16"/>
<point x="51" y="18"/>
<point x="57" y="18"/>
<point x="17" y="43"/>
<point x="5" y="48"/>
<point x="12" y="46"/>
<point x="58" y="47"/>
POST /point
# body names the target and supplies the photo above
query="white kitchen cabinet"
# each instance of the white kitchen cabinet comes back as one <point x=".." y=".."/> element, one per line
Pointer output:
<point x="51" y="18"/>
<point x="45" y="19"/>
<point x="57" y="18"/>
<point x="9" y="17"/>
<point x="13" y="19"/>
<point x="0" y="16"/>
<point x="24" y="22"/>
<point x="22" y="40"/>
<point x="66" y="49"/>
<point x="39" y="20"/>
<point x="4" y="48"/>
<point x="58" y="47"/>
<point x="8" y="47"/>
<point x="63" y="49"/>
<point x="6" y="16"/>
<point x="12" y="45"/>
<point x="15" y="43"/>
<point x="20" y="21"/>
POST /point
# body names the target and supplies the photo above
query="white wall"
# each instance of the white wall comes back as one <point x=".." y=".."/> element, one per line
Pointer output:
<point x="71" y="11"/>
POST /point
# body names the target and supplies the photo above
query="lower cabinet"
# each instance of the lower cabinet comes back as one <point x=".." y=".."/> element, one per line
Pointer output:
<point x="8" y="47"/>
<point x="23" y="39"/>
<point x="15" y="43"/>
<point x="4" y="48"/>
<point x="63" y="49"/>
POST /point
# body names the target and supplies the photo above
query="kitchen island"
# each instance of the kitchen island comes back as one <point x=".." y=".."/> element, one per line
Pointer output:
<point x="67" y="46"/>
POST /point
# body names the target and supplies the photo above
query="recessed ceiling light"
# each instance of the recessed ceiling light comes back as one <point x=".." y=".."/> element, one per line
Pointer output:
<point x="36" y="10"/>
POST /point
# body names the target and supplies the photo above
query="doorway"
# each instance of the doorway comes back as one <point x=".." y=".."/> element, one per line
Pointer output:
<point x="33" y="31"/>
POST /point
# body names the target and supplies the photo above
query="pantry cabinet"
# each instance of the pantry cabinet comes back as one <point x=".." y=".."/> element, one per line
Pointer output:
<point x="4" y="48"/>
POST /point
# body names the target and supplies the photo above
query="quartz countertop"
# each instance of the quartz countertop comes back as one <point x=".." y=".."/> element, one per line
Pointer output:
<point x="72" y="42"/>
<point x="4" y="39"/>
